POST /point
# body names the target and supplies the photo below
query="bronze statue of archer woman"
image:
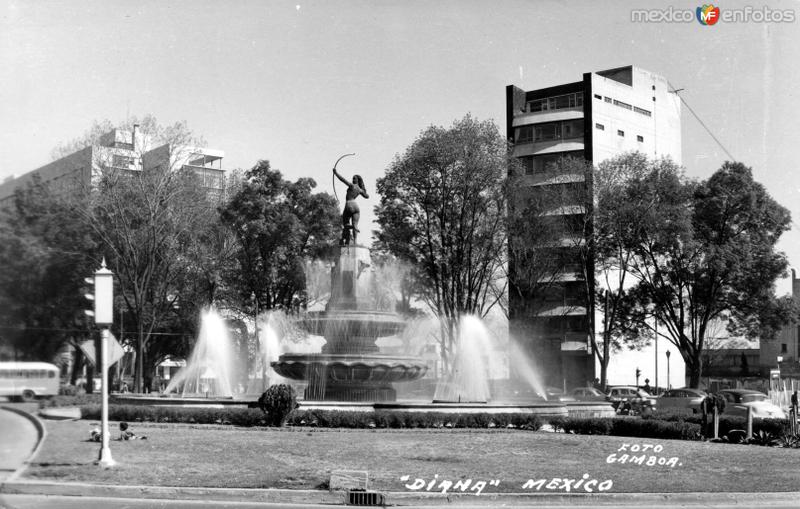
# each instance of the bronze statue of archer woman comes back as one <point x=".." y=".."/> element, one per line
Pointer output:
<point x="351" y="212"/>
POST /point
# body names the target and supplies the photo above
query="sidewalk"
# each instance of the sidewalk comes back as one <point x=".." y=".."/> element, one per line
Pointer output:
<point x="320" y="497"/>
<point x="22" y="433"/>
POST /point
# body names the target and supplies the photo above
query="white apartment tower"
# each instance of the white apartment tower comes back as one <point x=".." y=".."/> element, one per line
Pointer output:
<point x="605" y="114"/>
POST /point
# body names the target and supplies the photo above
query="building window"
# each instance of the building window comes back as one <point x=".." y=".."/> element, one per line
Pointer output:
<point x="524" y="134"/>
<point x="572" y="129"/>
<point x="640" y="139"/>
<point x="623" y="105"/>
<point x="642" y="111"/>
<point x="547" y="132"/>
<point x="784" y="348"/>
<point x="556" y="103"/>
<point x="620" y="133"/>
<point x="122" y="162"/>
<point x="600" y="127"/>
<point x="527" y="164"/>
<point x="552" y="131"/>
<point x="546" y="163"/>
<point x="598" y="96"/>
<point x="608" y="99"/>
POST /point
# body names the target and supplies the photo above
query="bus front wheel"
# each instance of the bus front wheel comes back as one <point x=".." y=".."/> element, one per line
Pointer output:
<point x="28" y="395"/>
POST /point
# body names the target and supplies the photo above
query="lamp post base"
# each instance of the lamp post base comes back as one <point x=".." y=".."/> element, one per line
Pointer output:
<point x="105" y="459"/>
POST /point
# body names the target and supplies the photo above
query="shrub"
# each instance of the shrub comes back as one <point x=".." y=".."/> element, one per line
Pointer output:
<point x="764" y="438"/>
<point x="277" y="403"/>
<point x="586" y="425"/>
<point x="65" y="400"/>
<point x="67" y="390"/>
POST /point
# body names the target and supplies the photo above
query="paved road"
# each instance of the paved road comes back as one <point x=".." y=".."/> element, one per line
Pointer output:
<point x="18" y="437"/>
<point x="59" y="502"/>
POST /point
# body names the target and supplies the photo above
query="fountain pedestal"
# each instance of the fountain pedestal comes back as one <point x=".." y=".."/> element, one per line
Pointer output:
<point x="350" y="367"/>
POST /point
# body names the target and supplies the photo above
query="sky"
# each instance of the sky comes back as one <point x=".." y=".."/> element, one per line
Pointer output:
<point x="301" y="83"/>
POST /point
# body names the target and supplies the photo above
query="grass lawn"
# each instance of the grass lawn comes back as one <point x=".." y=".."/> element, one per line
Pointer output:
<point x="303" y="458"/>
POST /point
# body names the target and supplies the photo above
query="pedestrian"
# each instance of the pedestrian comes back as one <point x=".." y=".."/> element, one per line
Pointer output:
<point x="126" y="434"/>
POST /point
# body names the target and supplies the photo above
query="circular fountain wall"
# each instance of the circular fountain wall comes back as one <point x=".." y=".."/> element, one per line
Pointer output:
<point x="350" y="366"/>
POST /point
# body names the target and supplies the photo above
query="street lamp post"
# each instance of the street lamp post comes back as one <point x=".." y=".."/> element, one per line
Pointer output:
<point x="668" y="384"/>
<point x="104" y="317"/>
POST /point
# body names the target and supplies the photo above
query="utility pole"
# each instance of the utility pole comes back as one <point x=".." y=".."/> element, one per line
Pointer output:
<point x="655" y="327"/>
<point x="668" y="385"/>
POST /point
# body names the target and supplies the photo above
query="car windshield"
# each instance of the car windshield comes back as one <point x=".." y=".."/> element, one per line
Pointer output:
<point x="750" y="398"/>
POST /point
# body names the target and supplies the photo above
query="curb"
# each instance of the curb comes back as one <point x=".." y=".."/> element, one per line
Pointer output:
<point x="284" y="496"/>
<point x="41" y="431"/>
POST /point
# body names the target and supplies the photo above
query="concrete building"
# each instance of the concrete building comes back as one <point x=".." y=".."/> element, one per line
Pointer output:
<point x="605" y="114"/>
<point x="124" y="150"/>
<point x="783" y="351"/>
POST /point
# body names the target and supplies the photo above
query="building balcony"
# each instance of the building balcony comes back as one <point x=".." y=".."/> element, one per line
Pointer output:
<point x="552" y="178"/>
<point x="539" y="148"/>
<point x="567" y="276"/>
<point x="547" y="116"/>
<point x="561" y="309"/>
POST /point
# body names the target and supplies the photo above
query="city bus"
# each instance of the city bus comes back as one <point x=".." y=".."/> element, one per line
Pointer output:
<point x="28" y="380"/>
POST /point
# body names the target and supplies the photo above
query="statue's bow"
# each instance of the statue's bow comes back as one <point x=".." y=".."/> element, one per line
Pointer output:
<point x="333" y="178"/>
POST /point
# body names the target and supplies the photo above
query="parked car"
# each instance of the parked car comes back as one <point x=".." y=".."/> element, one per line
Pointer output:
<point x="738" y="400"/>
<point x="631" y="400"/>
<point x="685" y="398"/>
<point x="555" y="394"/>
<point x="588" y="394"/>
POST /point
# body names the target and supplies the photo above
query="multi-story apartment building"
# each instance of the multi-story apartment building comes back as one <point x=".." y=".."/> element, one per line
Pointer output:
<point x="125" y="150"/>
<point x="605" y="114"/>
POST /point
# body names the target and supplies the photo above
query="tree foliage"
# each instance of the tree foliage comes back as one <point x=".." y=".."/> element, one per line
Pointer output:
<point x="151" y="219"/>
<point x="701" y="252"/>
<point x="278" y="225"/>
<point x="442" y="210"/>
<point x="45" y="255"/>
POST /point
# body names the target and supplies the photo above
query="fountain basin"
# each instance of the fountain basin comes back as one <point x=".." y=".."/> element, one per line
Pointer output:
<point x="351" y="367"/>
<point x="349" y="377"/>
<point x="371" y="324"/>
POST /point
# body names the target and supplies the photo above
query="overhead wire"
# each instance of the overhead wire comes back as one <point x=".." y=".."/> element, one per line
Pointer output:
<point x="696" y="116"/>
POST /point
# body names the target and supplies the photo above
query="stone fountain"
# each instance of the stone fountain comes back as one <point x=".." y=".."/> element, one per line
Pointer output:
<point x="350" y="366"/>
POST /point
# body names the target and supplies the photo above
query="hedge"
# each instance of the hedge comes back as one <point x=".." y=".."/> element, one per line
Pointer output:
<point x="64" y="400"/>
<point x="399" y="419"/>
<point x="321" y="418"/>
<point x="189" y="415"/>
<point x="777" y="427"/>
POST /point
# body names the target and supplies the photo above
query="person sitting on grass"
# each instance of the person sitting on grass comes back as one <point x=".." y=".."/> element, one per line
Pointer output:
<point x="124" y="434"/>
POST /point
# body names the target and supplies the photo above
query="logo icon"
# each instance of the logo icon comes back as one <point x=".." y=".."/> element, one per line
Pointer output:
<point x="707" y="14"/>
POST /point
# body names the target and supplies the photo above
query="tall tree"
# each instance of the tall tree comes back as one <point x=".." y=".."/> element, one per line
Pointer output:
<point x="614" y="222"/>
<point x="278" y="225"/>
<point x="706" y="251"/>
<point x="443" y="210"/>
<point x="45" y="254"/>
<point x="147" y="211"/>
